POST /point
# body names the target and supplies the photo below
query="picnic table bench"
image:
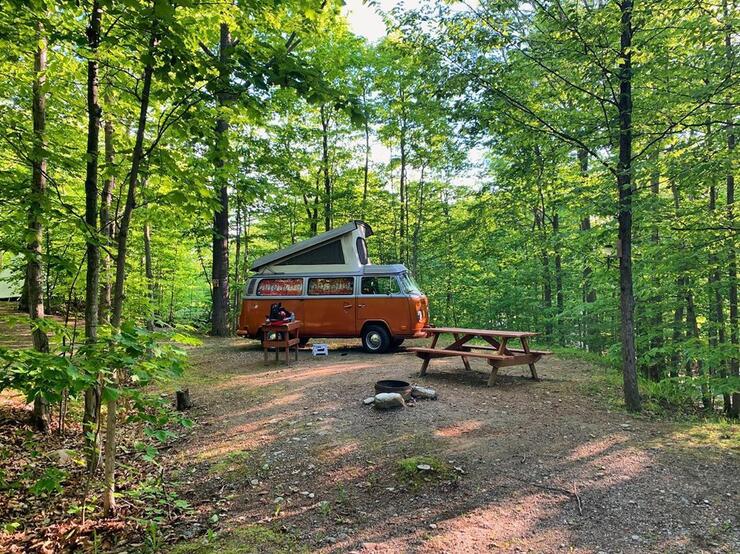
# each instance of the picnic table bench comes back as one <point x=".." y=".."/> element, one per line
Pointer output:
<point x="496" y="352"/>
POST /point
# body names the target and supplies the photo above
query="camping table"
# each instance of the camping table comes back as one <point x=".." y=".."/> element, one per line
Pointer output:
<point x="287" y="336"/>
<point x="496" y="352"/>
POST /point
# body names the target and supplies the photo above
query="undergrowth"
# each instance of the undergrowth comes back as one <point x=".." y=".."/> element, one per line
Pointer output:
<point x="252" y="539"/>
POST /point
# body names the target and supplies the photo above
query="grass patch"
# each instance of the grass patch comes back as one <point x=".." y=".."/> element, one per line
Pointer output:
<point x="608" y="360"/>
<point x="413" y="471"/>
<point x="253" y="539"/>
<point x="235" y="466"/>
<point x="719" y="435"/>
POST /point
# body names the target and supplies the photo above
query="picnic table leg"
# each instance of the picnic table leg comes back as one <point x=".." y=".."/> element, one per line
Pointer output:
<point x="424" y="366"/>
<point x="466" y="363"/>
<point x="532" y="368"/>
<point x="425" y="363"/>
<point x="492" y="378"/>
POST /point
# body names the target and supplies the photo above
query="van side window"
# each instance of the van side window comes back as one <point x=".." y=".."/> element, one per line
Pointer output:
<point x="362" y="251"/>
<point x="382" y="284"/>
<point x="280" y="287"/>
<point x="250" y="287"/>
<point x="326" y="286"/>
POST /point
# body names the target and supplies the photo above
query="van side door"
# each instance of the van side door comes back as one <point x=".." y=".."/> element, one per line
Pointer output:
<point x="380" y="299"/>
<point x="329" y="307"/>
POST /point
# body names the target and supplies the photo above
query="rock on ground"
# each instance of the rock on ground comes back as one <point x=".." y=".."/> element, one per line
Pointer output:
<point x="388" y="400"/>
<point x="424" y="393"/>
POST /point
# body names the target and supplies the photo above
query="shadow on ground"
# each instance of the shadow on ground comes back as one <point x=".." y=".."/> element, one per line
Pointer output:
<point x="525" y="466"/>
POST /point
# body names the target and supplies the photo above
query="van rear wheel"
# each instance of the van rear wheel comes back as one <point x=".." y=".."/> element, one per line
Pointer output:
<point x="375" y="339"/>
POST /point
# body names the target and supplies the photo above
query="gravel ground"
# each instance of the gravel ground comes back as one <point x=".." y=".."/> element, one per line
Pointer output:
<point x="527" y="466"/>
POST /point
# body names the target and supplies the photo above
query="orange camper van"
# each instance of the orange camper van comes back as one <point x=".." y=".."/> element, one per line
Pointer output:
<point x="330" y="285"/>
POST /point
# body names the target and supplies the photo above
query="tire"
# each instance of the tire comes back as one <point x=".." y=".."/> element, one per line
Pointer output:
<point x="303" y="341"/>
<point x="375" y="339"/>
<point x="398" y="342"/>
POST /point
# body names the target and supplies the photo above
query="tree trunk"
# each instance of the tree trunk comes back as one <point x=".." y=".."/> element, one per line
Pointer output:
<point x="624" y="182"/>
<point x="92" y="282"/>
<point x="654" y="369"/>
<point x="539" y="220"/>
<point x="122" y="242"/>
<point x="37" y="201"/>
<point x="325" y="167"/>
<point x="417" y="225"/>
<point x="589" y="293"/>
<point x="109" y="471"/>
<point x="133" y="181"/>
<point x="106" y="225"/>
<point x="734" y="364"/>
<point x="366" y="173"/>
<point x="220" y="267"/>
<point x="237" y="265"/>
<point x="148" y="271"/>
<point x="402" y="186"/>
<point x="559" y="299"/>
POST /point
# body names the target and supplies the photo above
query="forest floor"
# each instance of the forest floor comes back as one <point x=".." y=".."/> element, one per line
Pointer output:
<point x="287" y="458"/>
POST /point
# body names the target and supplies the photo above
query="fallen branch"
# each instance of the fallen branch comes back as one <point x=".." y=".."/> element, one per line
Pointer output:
<point x="573" y="494"/>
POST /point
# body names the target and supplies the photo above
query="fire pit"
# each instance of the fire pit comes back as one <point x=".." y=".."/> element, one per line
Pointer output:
<point x="391" y="385"/>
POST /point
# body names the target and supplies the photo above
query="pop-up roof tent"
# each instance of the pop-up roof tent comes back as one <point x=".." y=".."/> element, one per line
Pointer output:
<point x="340" y="250"/>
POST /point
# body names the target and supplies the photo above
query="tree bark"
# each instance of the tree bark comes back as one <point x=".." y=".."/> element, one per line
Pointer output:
<point x="559" y="298"/>
<point x="109" y="471"/>
<point x="402" y="185"/>
<point x="589" y="293"/>
<point x="36" y="207"/>
<point x="624" y="182"/>
<point x="237" y="265"/>
<point x="106" y="225"/>
<point x="418" y="225"/>
<point x="654" y="369"/>
<point x="148" y="270"/>
<point x="366" y="173"/>
<point x="732" y="407"/>
<point x="325" y="167"/>
<point x="133" y="181"/>
<point x="92" y="281"/>
<point x="109" y="502"/>
<point x="220" y="266"/>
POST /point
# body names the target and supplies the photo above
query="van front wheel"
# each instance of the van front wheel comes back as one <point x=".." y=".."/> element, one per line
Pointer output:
<point x="375" y="339"/>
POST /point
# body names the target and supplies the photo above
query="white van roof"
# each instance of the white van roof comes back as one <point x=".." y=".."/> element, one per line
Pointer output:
<point x="345" y="245"/>
<point x="389" y="269"/>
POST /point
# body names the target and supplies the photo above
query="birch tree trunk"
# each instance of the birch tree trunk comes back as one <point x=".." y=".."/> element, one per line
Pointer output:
<point x="37" y="201"/>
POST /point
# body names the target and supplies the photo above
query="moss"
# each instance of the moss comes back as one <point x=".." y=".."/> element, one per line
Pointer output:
<point x="408" y="470"/>
<point x="245" y="540"/>
<point x="234" y="466"/>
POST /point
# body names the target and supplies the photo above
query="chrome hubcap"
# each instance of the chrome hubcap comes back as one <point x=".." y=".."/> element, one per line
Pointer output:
<point x="374" y="340"/>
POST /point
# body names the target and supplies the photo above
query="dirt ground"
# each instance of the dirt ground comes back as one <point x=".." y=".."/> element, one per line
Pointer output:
<point x="521" y="467"/>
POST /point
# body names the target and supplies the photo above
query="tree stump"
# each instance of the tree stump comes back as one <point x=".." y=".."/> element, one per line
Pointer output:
<point x="182" y="400"/>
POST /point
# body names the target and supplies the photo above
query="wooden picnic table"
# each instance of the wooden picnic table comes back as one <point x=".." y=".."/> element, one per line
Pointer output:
<point x="496" y="351"/>
<point x="287" y="336"/>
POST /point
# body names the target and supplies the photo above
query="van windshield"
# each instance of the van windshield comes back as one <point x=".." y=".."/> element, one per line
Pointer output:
<point x="409" y="284"/>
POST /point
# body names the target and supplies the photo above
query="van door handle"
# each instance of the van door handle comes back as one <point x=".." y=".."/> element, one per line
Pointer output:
<point x="361" y="305"/>
<point x="348" y="306"/>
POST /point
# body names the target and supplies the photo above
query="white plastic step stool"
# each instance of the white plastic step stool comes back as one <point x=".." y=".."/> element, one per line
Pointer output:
<point x="320" y="350"/>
